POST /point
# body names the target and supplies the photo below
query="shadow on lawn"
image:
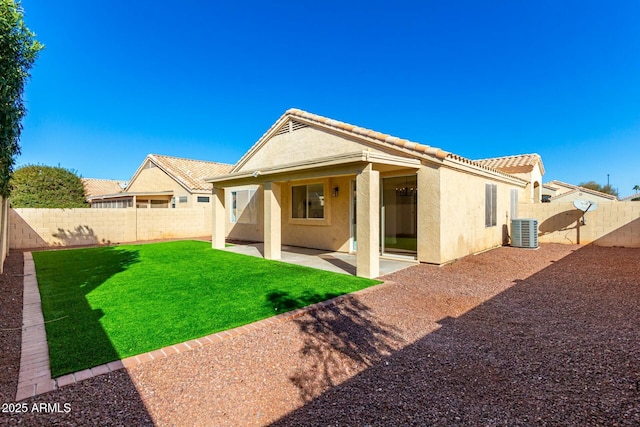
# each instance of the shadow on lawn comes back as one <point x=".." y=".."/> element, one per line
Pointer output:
<point x="559" y="347"/>
<point x="110" y="399"/>
<point x="75" y="335"/>
<point x="284" y="301"/>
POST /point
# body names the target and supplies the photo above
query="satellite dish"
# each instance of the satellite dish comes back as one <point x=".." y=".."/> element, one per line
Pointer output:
<point x="585" y="205"/>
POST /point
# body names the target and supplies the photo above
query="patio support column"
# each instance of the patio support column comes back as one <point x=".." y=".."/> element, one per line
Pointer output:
<point x="272" y="221"/>
<point x="218" y="218"/>
<point x="368" y="220"/>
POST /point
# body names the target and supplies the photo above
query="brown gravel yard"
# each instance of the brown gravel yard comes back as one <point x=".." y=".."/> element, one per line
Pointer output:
<point x="507" y="337"/>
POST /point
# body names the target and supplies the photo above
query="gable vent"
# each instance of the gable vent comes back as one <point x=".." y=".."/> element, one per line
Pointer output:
<point x="290" y="126"/>
<point x="295" y="125"/>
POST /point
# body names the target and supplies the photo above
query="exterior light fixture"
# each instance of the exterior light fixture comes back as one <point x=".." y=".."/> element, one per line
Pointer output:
<point x="336" y="190"/>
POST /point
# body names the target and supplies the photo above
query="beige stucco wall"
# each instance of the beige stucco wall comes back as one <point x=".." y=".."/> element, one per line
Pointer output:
<point x="612" y="224"/>
<point x="302" y="145"/>
<point x="462" y="214"/>
<point x="33" y="228"/>
<point x="534" y="190"/>
<point x="333" y="232"/>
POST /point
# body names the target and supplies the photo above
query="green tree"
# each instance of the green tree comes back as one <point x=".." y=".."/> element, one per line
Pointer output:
<point x="36" y="186"/>
<point x="636" y="188"/>
<point x="18" y="51"/>
<point x="592" y="185"/>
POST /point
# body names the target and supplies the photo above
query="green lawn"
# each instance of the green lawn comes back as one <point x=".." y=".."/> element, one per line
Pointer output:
<point x="107" y="303"/>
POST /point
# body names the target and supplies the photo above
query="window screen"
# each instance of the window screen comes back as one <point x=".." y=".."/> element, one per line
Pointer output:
<point x="490" y="207"/>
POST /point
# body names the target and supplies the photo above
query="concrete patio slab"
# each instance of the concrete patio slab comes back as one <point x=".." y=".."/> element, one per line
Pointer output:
<point x="337" y="262"/>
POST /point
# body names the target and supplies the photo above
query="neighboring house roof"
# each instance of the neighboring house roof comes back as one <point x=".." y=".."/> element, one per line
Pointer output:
<point x="557" y="184"/>
<point x="513" y="164"/>
<point x="349" y="130"/>
<point x="631" y="197"/>
<point x="575" y="188"/>
<point x="187" y="172"/>
<point x="100" y="187"/>
<point x="584" y="190"/>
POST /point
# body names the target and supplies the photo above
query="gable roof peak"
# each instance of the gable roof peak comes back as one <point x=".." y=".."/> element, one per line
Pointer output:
<point x="189" y="173"/>
<point x="343" y="128"/>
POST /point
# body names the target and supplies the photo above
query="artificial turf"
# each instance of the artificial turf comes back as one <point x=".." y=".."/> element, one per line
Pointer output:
<point x="107" y="303"/>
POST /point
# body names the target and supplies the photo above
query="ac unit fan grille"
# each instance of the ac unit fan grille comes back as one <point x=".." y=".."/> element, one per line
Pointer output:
<point x="524" y="233"/>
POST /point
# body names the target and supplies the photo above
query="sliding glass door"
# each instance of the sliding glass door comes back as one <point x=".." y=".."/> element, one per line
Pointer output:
<point x="398" y="215"/>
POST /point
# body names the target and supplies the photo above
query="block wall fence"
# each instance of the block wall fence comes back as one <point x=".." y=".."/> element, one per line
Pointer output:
<point x="4" y="231"/>
<point x="36" y="228"/>
<point x="611" y="224"/>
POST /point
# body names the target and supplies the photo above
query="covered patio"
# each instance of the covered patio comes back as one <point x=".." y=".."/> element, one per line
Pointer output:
<point x="337" y="262"/>
<point x="363" y="168"/>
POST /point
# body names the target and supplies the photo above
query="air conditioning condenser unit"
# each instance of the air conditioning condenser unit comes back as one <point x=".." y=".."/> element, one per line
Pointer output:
<point x="524" y="233"/>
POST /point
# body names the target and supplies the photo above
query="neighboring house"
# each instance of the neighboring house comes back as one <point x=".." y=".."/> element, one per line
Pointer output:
<point x="99" y="187"/>
<point x="526" y="166"/>
<point x="165" y="182"/>
<point x="632" y="198"/>
<point x="316" y="182"/>
<point x="555" y="188"/>
<point x="558" y="191"/>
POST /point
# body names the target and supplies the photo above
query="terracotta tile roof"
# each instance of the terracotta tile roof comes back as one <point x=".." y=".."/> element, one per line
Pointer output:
<point x="100" y="187"/>
<point x="356" y="131"/>
<point x="190" y="173"/>
<point x="367" y="133"/>
<point x="513" y="164"/>
<point x="411" y="147"/>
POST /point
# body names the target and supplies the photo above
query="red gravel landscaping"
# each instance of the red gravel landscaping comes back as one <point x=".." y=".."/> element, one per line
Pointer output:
<point x="508" y="337"/>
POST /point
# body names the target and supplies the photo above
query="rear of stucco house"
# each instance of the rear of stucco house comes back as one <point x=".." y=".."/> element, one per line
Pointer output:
<point x="316" y="182"/>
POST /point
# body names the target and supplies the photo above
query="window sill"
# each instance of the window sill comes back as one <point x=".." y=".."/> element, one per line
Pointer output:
<point x="309" y="221"/>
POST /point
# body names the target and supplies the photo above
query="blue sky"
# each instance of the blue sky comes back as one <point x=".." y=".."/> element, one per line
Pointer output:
<point x="205" y="79"/>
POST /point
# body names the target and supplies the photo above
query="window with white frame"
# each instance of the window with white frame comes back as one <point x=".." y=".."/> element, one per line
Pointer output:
<point x="307" y="201"/>
<point x="203" y="199"/>
<point x="243" y="207"/>
<point x="490" y="205"/>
